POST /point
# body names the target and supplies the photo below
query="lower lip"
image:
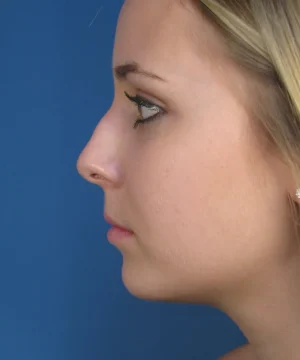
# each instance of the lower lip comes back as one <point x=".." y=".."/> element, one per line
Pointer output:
<point x="116" y="234"/>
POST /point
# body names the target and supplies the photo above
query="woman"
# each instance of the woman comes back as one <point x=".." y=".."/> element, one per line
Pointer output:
<point x="199" y="159"/>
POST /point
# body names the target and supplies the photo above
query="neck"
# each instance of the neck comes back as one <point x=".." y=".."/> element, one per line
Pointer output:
<point x="268" y="312"/>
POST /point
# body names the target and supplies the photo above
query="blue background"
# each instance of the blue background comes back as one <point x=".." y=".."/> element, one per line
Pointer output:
<point x="61" y="291"/>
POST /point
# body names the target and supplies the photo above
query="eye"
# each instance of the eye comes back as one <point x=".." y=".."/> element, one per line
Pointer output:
<point x="148" y="111"/>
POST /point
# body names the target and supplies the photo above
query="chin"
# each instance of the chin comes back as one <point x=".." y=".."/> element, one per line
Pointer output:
<point x="144" y="287"/>
<point x="147" y="285"/>
<point x="153" y="286"/>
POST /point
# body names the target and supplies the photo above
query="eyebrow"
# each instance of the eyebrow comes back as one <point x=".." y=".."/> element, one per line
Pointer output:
<point x="121" y="71"/>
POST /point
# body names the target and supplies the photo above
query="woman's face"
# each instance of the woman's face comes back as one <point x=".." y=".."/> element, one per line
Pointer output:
<point x="206" y="201"/>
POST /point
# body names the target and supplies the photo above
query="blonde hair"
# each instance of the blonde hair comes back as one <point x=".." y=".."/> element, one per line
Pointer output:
<point x="264" y="37"/>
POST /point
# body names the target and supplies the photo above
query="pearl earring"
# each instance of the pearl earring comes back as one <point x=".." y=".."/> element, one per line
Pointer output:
<point x="298" y="193"/>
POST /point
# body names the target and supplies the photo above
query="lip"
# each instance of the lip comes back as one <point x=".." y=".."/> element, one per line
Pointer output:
<point x="117" y="233"/>
<point x="112" y="222"/>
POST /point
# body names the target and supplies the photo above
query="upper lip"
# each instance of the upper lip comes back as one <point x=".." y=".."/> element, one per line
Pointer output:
<point x="113" y="222"/>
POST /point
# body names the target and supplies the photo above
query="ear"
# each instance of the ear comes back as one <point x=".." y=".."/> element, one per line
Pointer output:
<point x="293" y="187"/>
<point x="297" y="194"/>
<point x="287" y="179"/>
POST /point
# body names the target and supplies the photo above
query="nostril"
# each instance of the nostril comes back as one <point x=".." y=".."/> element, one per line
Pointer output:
<point x="96" y="176"/>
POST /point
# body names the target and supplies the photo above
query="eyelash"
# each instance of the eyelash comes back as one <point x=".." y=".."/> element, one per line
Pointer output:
<point x="140" y="101"/>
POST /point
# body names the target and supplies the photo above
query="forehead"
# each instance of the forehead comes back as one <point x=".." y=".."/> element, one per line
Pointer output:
<point x="157" y="33"/>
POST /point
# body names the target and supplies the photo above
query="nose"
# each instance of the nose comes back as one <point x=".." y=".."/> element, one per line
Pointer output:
<point x="97" y="162"/>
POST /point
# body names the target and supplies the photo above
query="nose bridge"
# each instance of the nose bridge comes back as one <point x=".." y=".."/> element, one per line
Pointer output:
<point x="97" y="162"/>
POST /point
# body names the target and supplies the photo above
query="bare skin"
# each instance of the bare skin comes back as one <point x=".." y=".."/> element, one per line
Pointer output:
<point x="204" y="198"/>
<point x="244" y="352"/>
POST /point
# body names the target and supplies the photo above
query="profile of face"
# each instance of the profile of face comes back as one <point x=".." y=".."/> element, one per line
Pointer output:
<point x="204" y="197"/>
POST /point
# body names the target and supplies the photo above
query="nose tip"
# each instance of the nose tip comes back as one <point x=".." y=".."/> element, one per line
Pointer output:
<point x="98" y="162"/>
<point x="96" y="174"/>
<point x="89" y="172"/>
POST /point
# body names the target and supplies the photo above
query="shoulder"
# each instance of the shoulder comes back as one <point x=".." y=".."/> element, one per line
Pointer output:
<point x="241" y="353"/>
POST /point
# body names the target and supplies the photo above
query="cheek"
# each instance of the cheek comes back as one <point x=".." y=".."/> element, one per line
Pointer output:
<point x="201" y="207"/>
